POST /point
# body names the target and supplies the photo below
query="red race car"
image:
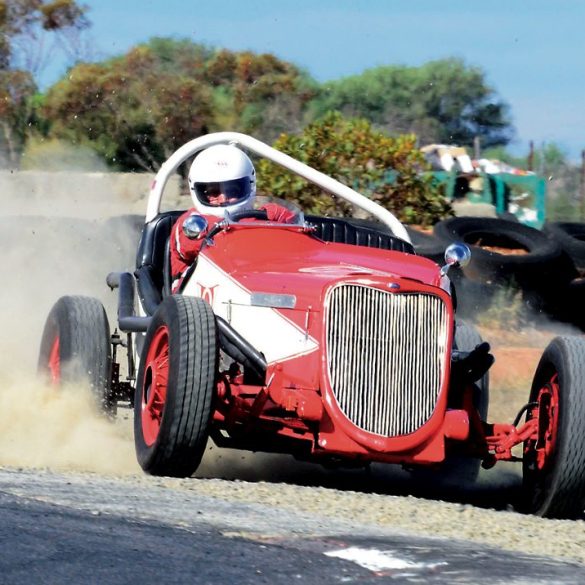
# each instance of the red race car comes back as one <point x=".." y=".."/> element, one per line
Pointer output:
<point x="325" y="338"/>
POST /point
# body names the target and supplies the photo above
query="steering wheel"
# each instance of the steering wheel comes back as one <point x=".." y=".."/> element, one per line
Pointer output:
<point x="249" y="214"/>
<point x="237" y="216"/>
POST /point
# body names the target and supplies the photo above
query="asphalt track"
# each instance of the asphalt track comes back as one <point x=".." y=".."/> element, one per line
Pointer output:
<point x="70" y="528"/>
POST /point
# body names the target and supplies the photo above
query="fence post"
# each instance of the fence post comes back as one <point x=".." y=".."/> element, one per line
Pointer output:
<point x="530" y="161"/>
<point x="476" y="148"/>
<point x="582" y="187"/>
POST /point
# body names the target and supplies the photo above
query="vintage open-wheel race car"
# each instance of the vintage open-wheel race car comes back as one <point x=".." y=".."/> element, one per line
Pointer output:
<point x="324" y="338"/>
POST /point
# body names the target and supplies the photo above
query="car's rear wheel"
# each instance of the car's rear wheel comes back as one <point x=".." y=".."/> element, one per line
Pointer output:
<point x="75" y="348"/>
<point x="554" y="462"/>
<point x="467" y="338"/>
<point x="175" y="387"/>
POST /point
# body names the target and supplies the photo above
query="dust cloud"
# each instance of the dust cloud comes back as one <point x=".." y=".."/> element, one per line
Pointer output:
<point x="64" y="244"/>
<point x="45" y="428"/>
<point x="53" y="248"/>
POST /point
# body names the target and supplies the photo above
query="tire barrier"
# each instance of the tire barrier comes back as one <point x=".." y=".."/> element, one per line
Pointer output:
<point x="568" y="305"/>
<point x="571" y="238"/>
<point x="428" y="245"/>
<point x="513" y="255"/>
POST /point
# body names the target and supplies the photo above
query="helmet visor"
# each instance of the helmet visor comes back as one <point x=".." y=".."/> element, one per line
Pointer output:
<point x="223" y="193"/>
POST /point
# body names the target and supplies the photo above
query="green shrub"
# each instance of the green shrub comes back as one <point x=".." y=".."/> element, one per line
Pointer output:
<point x="388" y="170"/>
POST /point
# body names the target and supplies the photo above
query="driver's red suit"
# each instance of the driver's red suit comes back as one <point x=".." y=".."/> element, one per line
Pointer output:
<point x="184" y="251"/>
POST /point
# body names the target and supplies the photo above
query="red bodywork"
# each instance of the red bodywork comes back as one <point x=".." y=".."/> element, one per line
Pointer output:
<point x="296" y="408"/>
<point x="296" y="401"/>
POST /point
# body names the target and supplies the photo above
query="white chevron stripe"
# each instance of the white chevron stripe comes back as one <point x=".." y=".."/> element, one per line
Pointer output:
<point x="268" y="330"/>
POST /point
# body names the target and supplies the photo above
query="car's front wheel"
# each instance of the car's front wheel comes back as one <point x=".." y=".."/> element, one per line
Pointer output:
<point x="554" y="460"/>
<point x="175" y="387"/>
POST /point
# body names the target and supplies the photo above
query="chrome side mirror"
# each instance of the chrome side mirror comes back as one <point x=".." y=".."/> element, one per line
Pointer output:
<point x="457" y="255"/>
<point x="195" y="226"/>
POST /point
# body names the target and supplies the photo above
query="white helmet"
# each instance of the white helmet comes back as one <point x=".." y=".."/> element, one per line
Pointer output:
<point x="221" y="178"/>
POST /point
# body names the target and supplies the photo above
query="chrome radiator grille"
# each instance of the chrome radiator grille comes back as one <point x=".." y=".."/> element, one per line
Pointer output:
<point x="385" y="355"/>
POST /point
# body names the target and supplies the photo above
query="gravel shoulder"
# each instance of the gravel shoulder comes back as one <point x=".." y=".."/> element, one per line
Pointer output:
<point x="501" y="528"/>
<point x="266" y="510"/>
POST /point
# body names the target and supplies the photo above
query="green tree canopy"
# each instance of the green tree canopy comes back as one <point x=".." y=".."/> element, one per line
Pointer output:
<point x="385" y="169"/>
<point x="442" y="101"/>
<point x="131" y="111"/>
<point x="547" y="159"/>
<point x="138" y="108"/>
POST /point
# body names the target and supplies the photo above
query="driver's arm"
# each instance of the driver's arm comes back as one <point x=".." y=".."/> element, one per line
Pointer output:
<point x="277" y="213"/>
<point x="183" y="251"/>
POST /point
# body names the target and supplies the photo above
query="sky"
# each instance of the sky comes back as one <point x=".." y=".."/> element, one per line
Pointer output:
<point x="531" y="51"/>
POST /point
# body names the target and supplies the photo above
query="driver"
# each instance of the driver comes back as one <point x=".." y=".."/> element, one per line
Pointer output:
<point x="222" y="178"/>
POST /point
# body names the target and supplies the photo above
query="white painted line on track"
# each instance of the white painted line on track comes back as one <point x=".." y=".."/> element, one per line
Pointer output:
<point x="379" y="560"/>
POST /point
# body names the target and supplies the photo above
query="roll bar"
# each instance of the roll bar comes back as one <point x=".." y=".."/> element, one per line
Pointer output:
<point x="259" y="148"/>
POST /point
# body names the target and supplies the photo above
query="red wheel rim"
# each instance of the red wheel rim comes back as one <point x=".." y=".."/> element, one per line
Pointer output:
<point x="55" y="363"/>
<point x="548" y="420"/>
<point x="154" y="388"/>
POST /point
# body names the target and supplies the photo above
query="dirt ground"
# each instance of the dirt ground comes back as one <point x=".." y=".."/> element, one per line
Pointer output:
<point x="517" y="352"/>
<point x="510" y="380"/>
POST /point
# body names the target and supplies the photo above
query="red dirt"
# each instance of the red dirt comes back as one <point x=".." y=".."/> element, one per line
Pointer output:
<point x="510" y="381"/>
<point x="517" y="353"/>
<point x="514" y="367"/>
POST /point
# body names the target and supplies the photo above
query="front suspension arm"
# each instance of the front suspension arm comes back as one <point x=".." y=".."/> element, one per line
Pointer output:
<point x="504" y="437"/>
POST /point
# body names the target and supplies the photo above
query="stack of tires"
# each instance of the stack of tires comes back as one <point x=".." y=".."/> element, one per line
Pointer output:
<point x="570" y="305"/>
<point x="506" y="257"/>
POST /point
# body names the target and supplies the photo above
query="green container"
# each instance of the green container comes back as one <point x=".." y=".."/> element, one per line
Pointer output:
<point x="523" y="196"/>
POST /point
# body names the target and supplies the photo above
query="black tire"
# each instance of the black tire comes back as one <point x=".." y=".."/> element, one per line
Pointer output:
<point x="75" y="348"/>
<point x="554" y="464"/>
<point x="568" y="305"/>
<point x="571" y="238"/>
<point x="179" y="358"/>
<point x="508" y="216"/>
<point x="428" y="245"/>
<point x="467" y="338"/>
<point x="459" y="472"/>
<point x="541" y="267"/>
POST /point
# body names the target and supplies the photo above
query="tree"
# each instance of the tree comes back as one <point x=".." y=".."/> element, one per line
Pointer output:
<point x="264" y="95"/>
<point x="24" y="24"/>
<point x="16" y="89"/>
<point x="563" y="183"/>
<point x="387" y="170"/>
<point x="138" y="108"/>
<point x="547" y="160"/>
<point x="442" y="101"/>
<point x="130" y="111"/>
